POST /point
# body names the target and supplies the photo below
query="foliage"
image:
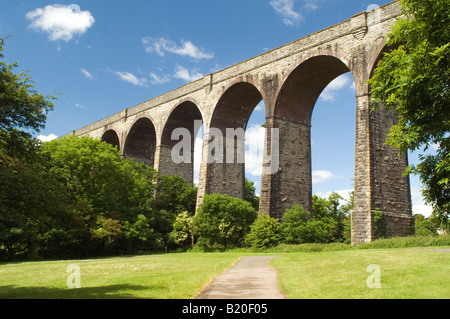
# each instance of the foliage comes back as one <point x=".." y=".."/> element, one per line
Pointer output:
<point x="183" y="230"/>
<point x="426" y="226"/>
<point x="222" y="221"/>
<point x="380" y="223"/>
<point x="265" y="232"/>
<point x="27" y="195"/>
<point x="412" y="79"/>
<point x="298" y="227"/>
<point x="250" y="195"/>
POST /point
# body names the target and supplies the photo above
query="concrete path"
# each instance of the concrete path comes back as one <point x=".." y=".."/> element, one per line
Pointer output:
<point x="250" y="278"/>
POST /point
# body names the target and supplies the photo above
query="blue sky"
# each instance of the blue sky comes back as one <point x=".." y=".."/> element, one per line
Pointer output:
<point x="103" y="56"/>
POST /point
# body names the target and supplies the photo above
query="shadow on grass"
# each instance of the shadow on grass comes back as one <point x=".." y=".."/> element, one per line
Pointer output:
<point x="104" y="292"/>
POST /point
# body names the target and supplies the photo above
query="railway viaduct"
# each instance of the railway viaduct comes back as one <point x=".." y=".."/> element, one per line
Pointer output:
<point x="289" y="80"/>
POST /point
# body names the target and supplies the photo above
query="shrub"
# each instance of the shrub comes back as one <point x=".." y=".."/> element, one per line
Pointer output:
<point x="265" y="232"/>
<point x="223" y="221"/>
<point x="298" y="227"/>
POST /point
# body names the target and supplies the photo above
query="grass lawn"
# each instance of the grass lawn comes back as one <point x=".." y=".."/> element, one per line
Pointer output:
<point x="165" y="276"/>
<point x="404" y="273"/>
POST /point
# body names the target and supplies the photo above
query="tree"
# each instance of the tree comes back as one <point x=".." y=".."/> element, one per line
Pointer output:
<point x="223" y="221"/>
<point x="412" y="79"/>
<point x="111" y="196"/>
<point x="26" y="194"/>
<point x="250" y="195"/>
<point x="23" y="110"/>
<point x="265" y="232"/>
<point x="182" y="232"/>
<point x="298" y="227"/>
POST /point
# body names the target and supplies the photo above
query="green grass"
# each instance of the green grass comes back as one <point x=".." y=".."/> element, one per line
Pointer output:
<point x="305" y="271"/>
<point x="168" y="276"/>
<point x="404" y="273"/>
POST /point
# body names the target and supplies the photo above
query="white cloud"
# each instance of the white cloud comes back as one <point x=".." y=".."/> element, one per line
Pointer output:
<point x="80" y="106"/>
<point x="131" y="78"/>
<point x="290" y="15"/>
<point x="61" y="22"/>
<point x="86" y="73"/>
<point x="260" y="106"/>
<point x="47" y="138"/>
<point x="157" y="79"/>
<point x="339" y="83"/>
<point x="254" y="149"/>
<point x="319" y="176"/>
<point x="186" y="74"/>
<point x="187" y="48"/>
<point x="197" y="158"/>
<point x="418" y="203"/>
<point x="285" y="8"/>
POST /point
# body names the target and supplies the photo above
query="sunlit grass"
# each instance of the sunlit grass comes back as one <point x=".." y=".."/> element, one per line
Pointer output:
<point x="404" y="273"/>
<point x="169" y="276"/>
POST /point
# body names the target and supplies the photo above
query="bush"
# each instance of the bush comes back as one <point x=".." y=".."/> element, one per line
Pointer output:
<point x="223" y="221"/>
<point x="265" y="232"/>
<point x="298" y="227"/>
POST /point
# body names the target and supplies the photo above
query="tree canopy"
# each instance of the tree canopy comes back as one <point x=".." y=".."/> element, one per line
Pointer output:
<point x="412" y="79"/>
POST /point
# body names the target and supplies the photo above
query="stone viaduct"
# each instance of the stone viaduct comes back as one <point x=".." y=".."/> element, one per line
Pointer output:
<point x="289" y="79"/>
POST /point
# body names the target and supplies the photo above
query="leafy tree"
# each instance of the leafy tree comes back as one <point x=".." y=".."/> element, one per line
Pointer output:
<point x="298" y="227"/>
<point x="223" y="221"/>
<point x="330" y="210"/>
<point x="426" y="226"/>
<point x="265" y="232"/>
<point x="111" y="195"/>
<point x="183" y="229"/>
<point x="250" y="195"/>
<point x="26" y="194"/>
<point x="23" y="110"/>
<point x="412" y="79"/>
<point x="173" y="196"/>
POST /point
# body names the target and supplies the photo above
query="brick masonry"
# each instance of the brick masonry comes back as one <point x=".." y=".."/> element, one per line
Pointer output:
<point x="289" y="79"/>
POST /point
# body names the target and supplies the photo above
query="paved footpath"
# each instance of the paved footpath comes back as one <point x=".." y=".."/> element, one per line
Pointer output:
<point x="250" y="278"/>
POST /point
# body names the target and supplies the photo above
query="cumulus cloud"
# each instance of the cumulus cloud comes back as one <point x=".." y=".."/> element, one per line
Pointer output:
<point x="339" y="83"/>
<point x="61" y="22"/>
<point x="254" y="149"/>
<point x="290" y="15"/>
<point x="47" y="138"/>
<point x="319" y="176"/>
<point x="162" y="45"/>
<point x="186" y="74"/>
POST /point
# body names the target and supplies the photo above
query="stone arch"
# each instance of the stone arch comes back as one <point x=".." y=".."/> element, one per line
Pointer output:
<point x="292" y="112"/>
<point x="140" y="143"/>
<point x="224" y="140"/>
<point x="304" y="84"/>
<point x="235" y="106"/>
<point x="111" y="137"/>
<point x="184" y="122"/>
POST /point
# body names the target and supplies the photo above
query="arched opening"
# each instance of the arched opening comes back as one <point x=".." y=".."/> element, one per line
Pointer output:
<point x="226" y="140"/>
<point x="140" y="143"/>
<point x="112" y="138"/>
<point x="180" y="133"/>
<point x="294" y="106"/>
